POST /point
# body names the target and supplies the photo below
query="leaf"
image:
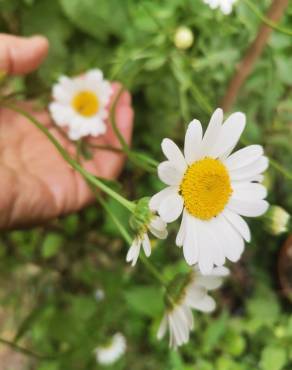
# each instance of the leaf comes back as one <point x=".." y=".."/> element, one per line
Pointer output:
<point x="215" y="331"/>
<point x="273" y="358"/>
<point x="145" y="300"/>
<point x="98" y="19"/>
<point x="51" y="245"/>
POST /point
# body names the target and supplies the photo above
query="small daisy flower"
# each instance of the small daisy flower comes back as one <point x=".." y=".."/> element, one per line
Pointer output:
<point x="212" y="189"/>
<point x="157" y="227"/>
<point x="80" y="104"/>
<point x="193" y="295"/>
<point x="224" y="5"/>
<point x="109" y="354"/>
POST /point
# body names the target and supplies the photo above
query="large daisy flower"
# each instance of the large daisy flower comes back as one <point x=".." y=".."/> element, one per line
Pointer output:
<point x="194" y="295"/>
<point x="224" y="5"/>
<point x="80" y="104"/>
<point x="212" y="189"/>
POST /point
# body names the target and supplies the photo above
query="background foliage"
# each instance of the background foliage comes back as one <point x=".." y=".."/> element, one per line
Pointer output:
<point x="49" y="275"/>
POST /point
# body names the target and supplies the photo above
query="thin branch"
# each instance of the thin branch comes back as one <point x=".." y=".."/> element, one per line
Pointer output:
<point x="255" y="50"/>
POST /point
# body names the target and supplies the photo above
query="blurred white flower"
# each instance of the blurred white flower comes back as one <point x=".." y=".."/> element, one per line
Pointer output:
<point x="99" y="295"/>
<point x="194" y="295"/>
<point x="80" y="104"/>
<point x="277" y="220"/>
<point x="224" y="5"/>
<point x="212" y="188"/>
<point x="109" y="354"/>
<point x="183" y="38"/>
<point x="157" y="227"/>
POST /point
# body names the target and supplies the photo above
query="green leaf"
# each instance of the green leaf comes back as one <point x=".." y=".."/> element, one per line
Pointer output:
<point x="273" y="358"/>
<point x="51" y="245"/>
<point x="215" y="331"/>
<point x="145" y="300"/>
<point x="98" y="19"/>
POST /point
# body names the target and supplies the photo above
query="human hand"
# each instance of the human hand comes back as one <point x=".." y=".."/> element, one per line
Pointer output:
<point x="36" y="183"/>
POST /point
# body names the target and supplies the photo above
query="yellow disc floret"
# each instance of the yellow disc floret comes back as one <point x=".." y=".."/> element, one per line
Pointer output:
<point x="85" y="103"/>
<point x="206" y="188"/>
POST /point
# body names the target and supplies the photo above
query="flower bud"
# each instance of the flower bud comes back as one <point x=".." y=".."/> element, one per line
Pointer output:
<point x="142" y="215"/>
<point x="183" y="38"/>
<point x="277" y="220"/>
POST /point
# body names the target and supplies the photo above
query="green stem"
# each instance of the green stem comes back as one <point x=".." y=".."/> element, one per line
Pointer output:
<point x="280" y="168"/>
<point x="88" y="176"/>
<point x="266" y="20"/>
<point x="152" y="269"/>
<point x="25" y="351"/>
<point x="131" y="155"/>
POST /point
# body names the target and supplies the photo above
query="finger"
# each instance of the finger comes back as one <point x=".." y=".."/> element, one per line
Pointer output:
<point x="20" y="55"/>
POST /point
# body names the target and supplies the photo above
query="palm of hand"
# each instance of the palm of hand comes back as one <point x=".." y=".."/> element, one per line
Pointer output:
<point x="36" y="183"/>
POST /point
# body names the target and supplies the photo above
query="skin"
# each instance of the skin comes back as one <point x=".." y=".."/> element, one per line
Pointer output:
<point x="37" y="185"/>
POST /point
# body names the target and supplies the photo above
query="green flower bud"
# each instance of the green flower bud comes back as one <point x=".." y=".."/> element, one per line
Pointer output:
<point x="277" y="220"/>
<point x="176" y="288"/>
<point x="183" y="38"/>
<point x="142" y="215"/>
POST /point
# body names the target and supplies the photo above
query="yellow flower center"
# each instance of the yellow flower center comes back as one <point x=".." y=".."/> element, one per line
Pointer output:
<point x="85" y="103"/>
<point x="206" y="188"/>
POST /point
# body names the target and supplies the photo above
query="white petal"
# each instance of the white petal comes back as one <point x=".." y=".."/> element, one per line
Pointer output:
<point x="251" y="170"/>
<point x="162" y="328"/>
<point x="182" y="231"/>
<point x="146" y="245"/>
<point x="220" y="271"/>
<point x="173" y="154"/>
<point x="233" y="245"/>
<point x="211" y="249"/>
<point x="157" y="223"/>
<point x="229" y="135"/>
<point x="158" y="227"/>
<point x="190" y="243"/>
<point x="171" y="208"/>
<point x="169" y="174"/>
<point x="158" y="198"/>
<point x="212" y="132"/>
<point x="244" y="157"/>
<point x="248" y="209"/>
<point x="193" y="140"/>
<point x="134" y="251"/>
<point x="209" y="282"/>
<point x="238" y="223"/>
<point x="248" y="191"/>
<point x="194" y="293"/>
<point x="174" y="325"/>
<point x="208" y="248"/>
<point x="207" y="304"/>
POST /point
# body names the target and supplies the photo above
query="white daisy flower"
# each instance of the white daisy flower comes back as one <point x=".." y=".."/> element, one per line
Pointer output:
<point x="212" y="189"/>
<point x="224" y="5"/>
<point x="109" y="354"/>
<point x="157" y="227"/>
<point x="80" y="104"/>
<point x="194" y="295"/>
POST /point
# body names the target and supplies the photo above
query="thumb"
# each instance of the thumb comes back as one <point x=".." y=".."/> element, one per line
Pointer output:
<point x="20" y="55"/>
